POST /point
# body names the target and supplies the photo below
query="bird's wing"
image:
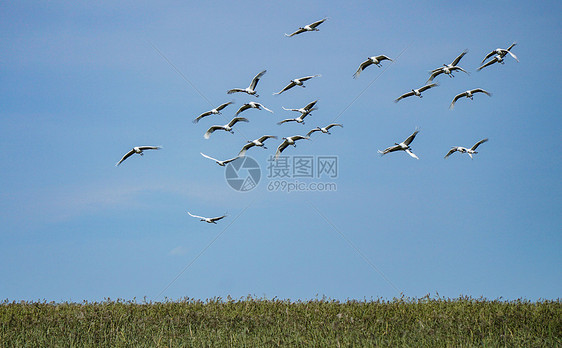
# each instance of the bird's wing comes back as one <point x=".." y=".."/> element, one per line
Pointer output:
<point x="245" y="148"/>
<point x="234" y="90"/>
<point x="458" y="59"/>
<point x="286" y="120"/>
<point x="281" y="147"/>
<point x="299" y="137"/>
<point x="308" y="77"/>
<point x="242" y="108"/>
<point x="300" y="30"/>
<point x="383" y="57"/>
<point x="265" y="137"/>
<point x="209" y="157"/>
<point x="201" y="116"/>
<point x="411" y="138"/>
<point x="513" y="55"/>
<point x="478" y="144"/>
<point x="426" y="87"/>
<point x="211" y="130"/>
<point x="237" y="119"/>
<point x="461" y="69"/>
<point x="312" y="131"/>
<point x="310" y="105"/>
<point x="487" y="64"/>
<point x="389" y="149"/>
<point x="127" y="155"/>
<point x="217" y="218"/>
<point x="289" y="86"/>
<point x="317" y="23"/>
<point x="405" y="95"/>
<point x="196" y="216"/>
<point x="334" y="125"/>
<point x="434" y="74"/>
<point x="362" y="66"/>
<point x="222" y="106"/>
<point x="463" y="94"/>
<point x="289" y="109"/>
<point x="476" y="90"/>
<point x="149" y="147"/>
<point x="256" y="80"/>
<point x="266" y="109"/>
<point x="303" y="115"/>
<point x="409" y="152"/>
<point x="230" y="160"/>
<point x="488" y="56"/>
<point x="451" y="151"/>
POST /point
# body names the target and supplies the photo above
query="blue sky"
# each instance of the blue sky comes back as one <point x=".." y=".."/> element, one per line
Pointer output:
<point x="82" y="83"/>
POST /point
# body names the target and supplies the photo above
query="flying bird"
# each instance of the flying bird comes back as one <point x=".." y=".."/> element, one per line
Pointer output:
<point x="251" y="90"/>
<point x="220" y="163"/>
<point x="501" y="52"/>
<point x="324" y="130"/>
<point x="139" y="150"/>
<point x="288" y="141"/>
<point x="468" y="94"/>
<point x="403" y="146"/>
<point x="252" y="105"/>
<point x="208" y="220"/>
<point x="226" y="127"/>
<point x="258" y="142"/>
<point x="305" y="110"/>
<point x="470" y="151"/>
<point x="215" y="111"/>
<point x="310" y="27"/>
<point x="496" y="59"/>
<point x="296" y="82"/>
<point x="370" y="60"/>
<point x="448" y="68"/>
<point x="416" y="92"/>
<point x="299" y="119"/>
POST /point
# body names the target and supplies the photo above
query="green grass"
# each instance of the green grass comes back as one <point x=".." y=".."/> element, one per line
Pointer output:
<point x="426" y="322"/>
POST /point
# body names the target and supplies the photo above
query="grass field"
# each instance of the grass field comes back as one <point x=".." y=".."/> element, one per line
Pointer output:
<point x="249" y="322"/>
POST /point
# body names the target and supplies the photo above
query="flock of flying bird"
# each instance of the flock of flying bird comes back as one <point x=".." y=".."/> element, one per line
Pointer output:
<point x="447" y="69"/>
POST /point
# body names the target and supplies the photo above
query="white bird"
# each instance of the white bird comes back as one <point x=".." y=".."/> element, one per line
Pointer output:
<point x="496" y="59"/>
<point x="139" y="150"/>
<point x="258" y="142"/>
<point x="468" y="94"/>
<point x="502" y="52"/>
<point x="305" y="110"/>
<point x="296" y="82"/>
<point x="288" y="141"/>
<point x="208" y="220"/>
<point x="215" y="111"/>
<point x="310" y="27"/>
<point x="470" y="151"/>
<point x="251" y="90"/>
<point x="370" y="60"/>
<point x="220" y="163"/>
<point x="416" y="92"/>
<point x="448" y="68"/>
<point x="299" y="119"/>
<point x="324" y="130"/>
<point x="403" y="146"/>
<point x="252" y="105"/>
<point x="226" y="127"/>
